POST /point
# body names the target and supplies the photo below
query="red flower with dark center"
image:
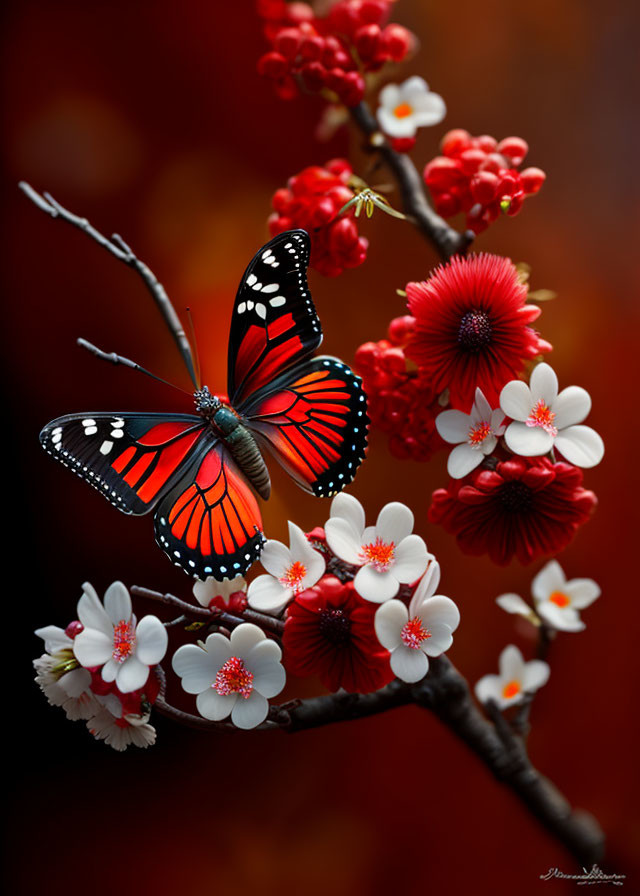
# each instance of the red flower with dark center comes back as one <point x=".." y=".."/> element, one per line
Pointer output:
<point x="524" y="508"/>
<point x="329" y="632"/>
<point x="472" y="328"/>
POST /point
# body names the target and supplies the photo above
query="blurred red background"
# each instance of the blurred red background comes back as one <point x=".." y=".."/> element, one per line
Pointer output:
<point x="149" y="118"/>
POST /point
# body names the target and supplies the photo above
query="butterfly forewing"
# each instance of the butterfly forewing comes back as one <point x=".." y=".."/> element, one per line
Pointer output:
<point x="210" y="523"/>
<point x="314" y="420"/>
<point x="131" y="458"/>
<point x="274" y="323"/>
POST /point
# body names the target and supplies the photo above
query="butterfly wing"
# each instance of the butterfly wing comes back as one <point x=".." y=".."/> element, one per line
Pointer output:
<point x="314" y="420"/>
<point x="274" y="323"/>
<point x="131" y="458"/>
<point x="209" y="523"/>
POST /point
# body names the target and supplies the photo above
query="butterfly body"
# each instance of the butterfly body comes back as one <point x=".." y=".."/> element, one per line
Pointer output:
<point x="198" y="471"/>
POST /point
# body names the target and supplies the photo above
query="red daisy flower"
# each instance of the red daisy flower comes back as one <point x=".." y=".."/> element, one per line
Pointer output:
<point x="472" y="328"/>
<point x="329" y="632"/>
<point x="523" y="508"/>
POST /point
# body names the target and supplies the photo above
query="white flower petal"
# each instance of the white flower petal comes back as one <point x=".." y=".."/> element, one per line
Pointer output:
<point x="91" y="613"/>
<point x="463" y="459"/>
<point x="513" y="603"/>
<point x="268" y="595"/>
<point x="580" y="445"/>
<point x="214" y="706"/>
<point x="571" y="406"/>
<point x="564" y="619"/>
<point x="395" y="522"/>
<point x="410" y="559"/>
<point x="75" y="682"/>
<point x="315" y="565"/>
<point x="409" y="665"/>
<point x="117" y="603"/>
<point x="550" y="578"/>
<point x="440" y="641"/>
<point x="489" y="687"/>
<point x="439" y="610"/>
<point x="389" y="620"/>
<point x="251" y="712"/>
<point x="528" y="441"/>
<point x="481" y="408"/>
<point x="427" y="586"/>
<point x="390" y="95"/>
<point x="342" y="540"/>
<point x="350" y="509"/>
<point x="196" y="667"/>
<point x="375" y="586"/>
<point x="394" y="126"/>
<point x="131" y="675"/>
<point x="543" y="383"/>
<point x="264" y="652"/>
<point x="582" y="592"/>
<point x="453" y="426"/>
<point x="536" y="673"/>
<point x="275" y="558"/>
<point x="516" y="400"/>
<point x="414" y="86"/>
<point x="270" y="679"/>
<point x="151" y="640"/>
<point x="92" y="647"/>
<point x="511" y="664"/>
<point x="205" y="591"/>
<point x="54" y="637"/>
<point x="429" y="110"/>
<point x="244" y="637"/>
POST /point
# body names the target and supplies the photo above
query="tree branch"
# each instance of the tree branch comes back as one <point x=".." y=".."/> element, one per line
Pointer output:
<point x="445" y="239"/>
<point x="120" y="250"/>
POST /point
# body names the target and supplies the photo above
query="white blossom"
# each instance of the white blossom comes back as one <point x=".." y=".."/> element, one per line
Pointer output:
<point x="408" y="106"/>
<point x="290" y="570"/>
<point x="475" y="435"/>
<point x="515" y="679"/>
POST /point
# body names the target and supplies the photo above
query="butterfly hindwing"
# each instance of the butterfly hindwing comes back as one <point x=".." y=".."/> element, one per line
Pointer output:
<point x="131" y="458"/>
<point x="314" y="420"/>
<point x="274" y="322"/>
<point x="210" y="523"/>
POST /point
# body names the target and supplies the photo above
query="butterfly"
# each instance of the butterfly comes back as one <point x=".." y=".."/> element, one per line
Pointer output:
<point x="199" y="471"/>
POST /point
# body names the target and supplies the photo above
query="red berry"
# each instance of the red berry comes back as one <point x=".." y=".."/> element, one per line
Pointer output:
<point x="339" y="167"/>
<point x="272" y="65"/>
<point x="288" y="42"/>
<point x="281" y="200"/>
<point x="287" y="89"/>
<point x="403" y="144"/>
<point x="322" y="213"/>
<point x="483" y="186"/>
<point x="471" y="159"/>
<point x="299" y="12"/>
<point x="447" y="204"/>
<point x="74" y="628"/>
<point x="441" y="172"/>
<point x="456" y="141"/>
<point x="494" y="162"/>
<point x="397" y="41"/>
<point x="401" y="328"/>
<point x="352" y="89"/>
<point x="532" y="179"/>
<point x="373" y="11"/>
<point x="312" y="47"/>
<point x="485" y="143"/>
<point x="367" y="41"/>
<point x="515" y="148"/>
<point x="314" y="75"/>
<point x="343" y="235"/>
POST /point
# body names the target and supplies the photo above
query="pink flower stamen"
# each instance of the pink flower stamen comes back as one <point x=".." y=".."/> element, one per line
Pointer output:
<point x="414" y="633"/>
<point x="234" y="678"/>
<point x="380" y="554"/>
<point x="542" y="416"/>
<point x="124" y="640"/>
<point x="293" y="576"/>
<point x="478" y="433"/>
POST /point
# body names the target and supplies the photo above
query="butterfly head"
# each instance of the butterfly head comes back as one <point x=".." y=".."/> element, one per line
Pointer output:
<point x="206" y="403"/>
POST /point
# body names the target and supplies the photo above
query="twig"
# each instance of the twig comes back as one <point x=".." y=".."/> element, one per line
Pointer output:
<point x="118" y="248"/>
<point x="446" y="240"/>
<point x="205" y="614"/>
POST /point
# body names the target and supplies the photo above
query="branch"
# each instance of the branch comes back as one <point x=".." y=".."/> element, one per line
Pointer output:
<point x="446" y="240"/>
<point x="118" y="248"/>
<point x="213" y="614"/>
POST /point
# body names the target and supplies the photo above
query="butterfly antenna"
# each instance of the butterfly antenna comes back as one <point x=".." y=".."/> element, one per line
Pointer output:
<point x="194" y="341"/>
<point x="112" y="358"/>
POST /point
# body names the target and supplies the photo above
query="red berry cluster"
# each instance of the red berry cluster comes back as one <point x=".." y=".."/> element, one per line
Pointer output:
<point x="331" y="52"/>
<point x="479" y="176"/>
<point x="401" y="401"/>
<point x="311" y="200"/>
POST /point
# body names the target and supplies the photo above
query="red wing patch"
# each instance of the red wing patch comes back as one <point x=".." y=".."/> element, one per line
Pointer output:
<point x="210" y="522"/>
<point x="131" y="458"/>
<point x="315" y="423"/>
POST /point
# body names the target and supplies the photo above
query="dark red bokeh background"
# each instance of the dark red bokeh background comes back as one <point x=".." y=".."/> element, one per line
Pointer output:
<point x="149" y="118"/>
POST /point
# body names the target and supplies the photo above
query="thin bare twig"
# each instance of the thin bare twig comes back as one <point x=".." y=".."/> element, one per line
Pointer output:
<point x="120" y="250"/>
